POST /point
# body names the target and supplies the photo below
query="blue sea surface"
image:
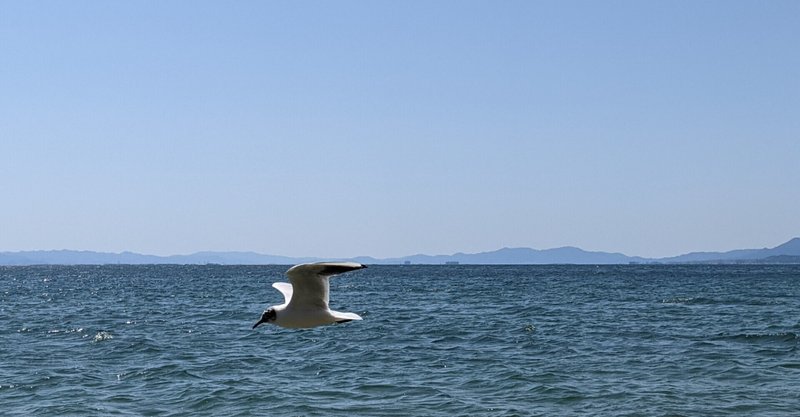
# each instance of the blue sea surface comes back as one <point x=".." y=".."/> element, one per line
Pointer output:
<point x="629" y="340"/>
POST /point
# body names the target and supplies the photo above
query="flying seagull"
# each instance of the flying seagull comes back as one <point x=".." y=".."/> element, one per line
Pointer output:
<point x="306" y="298"/>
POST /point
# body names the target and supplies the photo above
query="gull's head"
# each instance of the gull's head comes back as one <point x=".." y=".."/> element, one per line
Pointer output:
<point x="267" y="316"/>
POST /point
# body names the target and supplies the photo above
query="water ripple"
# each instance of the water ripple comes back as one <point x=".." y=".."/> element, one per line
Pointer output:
<point x="438" y="341"/>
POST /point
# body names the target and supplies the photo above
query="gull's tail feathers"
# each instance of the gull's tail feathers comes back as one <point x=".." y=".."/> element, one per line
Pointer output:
<point x="342" y="317"/>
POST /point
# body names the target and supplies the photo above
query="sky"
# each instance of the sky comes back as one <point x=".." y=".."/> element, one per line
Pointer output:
<point x="385" y="128"/>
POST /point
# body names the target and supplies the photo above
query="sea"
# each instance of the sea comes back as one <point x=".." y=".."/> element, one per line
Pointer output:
<point x="447" y="340"/>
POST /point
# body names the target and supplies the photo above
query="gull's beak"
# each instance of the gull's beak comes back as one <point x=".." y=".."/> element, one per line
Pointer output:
<point x="259" y="322"/>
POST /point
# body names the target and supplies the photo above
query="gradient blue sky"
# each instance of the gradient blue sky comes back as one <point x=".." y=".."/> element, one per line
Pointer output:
<point x="387" y="128"/>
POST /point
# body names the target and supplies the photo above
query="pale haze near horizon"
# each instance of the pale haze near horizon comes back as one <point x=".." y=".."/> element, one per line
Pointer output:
<point x="394" y="128"/>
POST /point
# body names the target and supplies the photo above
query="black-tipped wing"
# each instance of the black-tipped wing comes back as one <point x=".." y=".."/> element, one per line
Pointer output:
<point x="335" y="268"/>
<point x="310" y="282"/>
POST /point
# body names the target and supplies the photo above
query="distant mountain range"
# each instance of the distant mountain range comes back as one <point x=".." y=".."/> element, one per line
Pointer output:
<point x="788" y="252"/>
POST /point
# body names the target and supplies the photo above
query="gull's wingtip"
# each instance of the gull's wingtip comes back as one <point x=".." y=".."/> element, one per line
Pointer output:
<point x="325" y="268"/>
<point x="335" y="268"/>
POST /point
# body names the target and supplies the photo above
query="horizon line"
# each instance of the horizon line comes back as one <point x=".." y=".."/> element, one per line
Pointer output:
<point x="253" y="252"/>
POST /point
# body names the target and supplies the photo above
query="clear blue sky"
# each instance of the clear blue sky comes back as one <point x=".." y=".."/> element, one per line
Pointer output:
<point x="388" y="128"/>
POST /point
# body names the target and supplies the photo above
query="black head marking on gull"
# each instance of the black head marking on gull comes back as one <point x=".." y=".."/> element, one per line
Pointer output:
<point x="266" y="317"/>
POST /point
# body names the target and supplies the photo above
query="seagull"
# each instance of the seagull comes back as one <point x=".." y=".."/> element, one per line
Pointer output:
<point x="306" y="297"/>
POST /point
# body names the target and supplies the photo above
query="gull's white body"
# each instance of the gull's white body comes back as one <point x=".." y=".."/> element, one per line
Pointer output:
<point x="306" y="295"/>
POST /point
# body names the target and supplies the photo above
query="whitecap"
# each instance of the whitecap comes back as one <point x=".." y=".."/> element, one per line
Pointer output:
<point x="101" y="336"/>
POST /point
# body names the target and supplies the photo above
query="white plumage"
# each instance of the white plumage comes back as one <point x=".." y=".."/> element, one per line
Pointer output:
<point x="306" y="296"/>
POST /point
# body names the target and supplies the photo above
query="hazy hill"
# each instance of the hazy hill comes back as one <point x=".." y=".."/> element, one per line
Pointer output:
<point x="790" y="248"/>
<point x="565" y="255"/>
<point x="69" y="257"/>
<point x="788" y="252"/>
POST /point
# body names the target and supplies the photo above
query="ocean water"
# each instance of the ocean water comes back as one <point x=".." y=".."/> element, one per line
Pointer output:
<point x="630" y="340"/>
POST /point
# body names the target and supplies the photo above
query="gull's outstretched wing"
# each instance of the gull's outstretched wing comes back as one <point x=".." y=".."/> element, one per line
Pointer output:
<point x="286" y="289"/>
<point x="310" y="282"/>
